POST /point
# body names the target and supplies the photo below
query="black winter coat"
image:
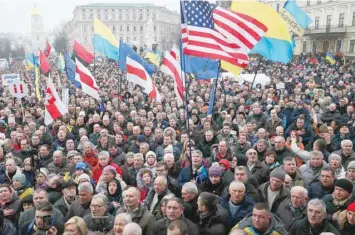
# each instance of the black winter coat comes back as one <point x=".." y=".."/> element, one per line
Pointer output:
<point x="302" y="227"/>
<point x="214" y="222"/>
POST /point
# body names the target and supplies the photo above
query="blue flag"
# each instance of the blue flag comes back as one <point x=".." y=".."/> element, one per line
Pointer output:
<point x="70" y="70"/>
<point x="126" y="50"/>
<point x="211" y="103"/>
<point x="102" y="106"/>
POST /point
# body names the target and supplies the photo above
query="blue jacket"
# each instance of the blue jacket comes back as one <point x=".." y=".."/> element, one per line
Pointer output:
<point x="307" y="117"/>
<point x="200" y="175"/>
<point x="245" y="208"/>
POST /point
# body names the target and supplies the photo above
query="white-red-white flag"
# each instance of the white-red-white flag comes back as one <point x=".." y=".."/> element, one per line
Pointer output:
<point x="171" y="66"/>
<point x="138" y="75"/>
<point x="87" y="81"/>
<point x="54" y="107"/>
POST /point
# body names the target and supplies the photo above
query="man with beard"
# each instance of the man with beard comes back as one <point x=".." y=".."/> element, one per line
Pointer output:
<point x="69" y="196"/>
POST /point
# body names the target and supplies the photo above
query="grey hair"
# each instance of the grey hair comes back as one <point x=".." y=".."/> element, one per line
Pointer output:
<point x="103" y="153"/>
<point x="241" y="168"/>
<point x="132" y="229"/>
<point x="346" y="142"/>
<point x="144" y="144"/>
<point x="236" y="183"/>
<point x="100" y="197"/>
<point x="318" y="202"/>
<point x="86" y="186"/>
<point x="317" y="153"/>
<point x="169" y="155"/>
<point x="139" y="155"/>
<point x="162" y="178"/>
<point x="191" y="187"/>
<point x="300" y="189"/>
<point x="281" y="138"/>
<point x="126" y="217"/>
<point x="198" y="152"/>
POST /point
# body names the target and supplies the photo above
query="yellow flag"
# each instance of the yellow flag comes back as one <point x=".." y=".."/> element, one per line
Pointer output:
<point x="235" y="70"/>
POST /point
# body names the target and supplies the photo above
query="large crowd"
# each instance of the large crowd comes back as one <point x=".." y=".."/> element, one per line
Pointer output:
<point x="269" y="160"/>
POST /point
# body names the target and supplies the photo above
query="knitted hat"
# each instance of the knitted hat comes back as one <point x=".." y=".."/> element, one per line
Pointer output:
<point x="84" y="176"/>
<point x="43" y="171"/>
<point x="344" y="184"/>
<point x="72" y="153"/>
<point x="20" y="178"/>
<point x="351" y="165"/>
<point x="225" y="162"/>
<point x="81" y="166"/>
<point x="215" y="170"/>
<point x="351" y="207"/>
<point x="151" y="153"/>
<point x="278" y="173"/>
<point x="334" y="156"/>
<point x="141" y="138"/>
<point x="110" y="169"/>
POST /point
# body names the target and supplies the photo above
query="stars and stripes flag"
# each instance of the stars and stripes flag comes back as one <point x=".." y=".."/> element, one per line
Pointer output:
<point x="171" y="66"/>
<point x="139" y="76"/>
<point x="87" y="80"/>
<point x="54" y="107"/>
<point x="213" y="32"/>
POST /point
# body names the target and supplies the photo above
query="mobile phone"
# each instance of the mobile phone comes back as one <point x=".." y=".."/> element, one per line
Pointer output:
<point x="47" y="222"/>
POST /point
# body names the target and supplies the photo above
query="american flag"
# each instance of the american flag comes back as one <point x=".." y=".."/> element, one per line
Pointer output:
<point x="213" y="32"/>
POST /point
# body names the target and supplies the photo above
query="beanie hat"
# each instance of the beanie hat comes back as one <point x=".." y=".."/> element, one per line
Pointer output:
<point x="81" y="166"/>
<point x="20" y="178"/>
<point x="344" y="184"/>
<point x="84" y="176"/>
<point x="351" y="207"/>
<point x="209" y="200"/>
<point x="225" y="162"/>
<point x="72" y="153"/>
<point x="110" y="169"/>
<point x="334" y="156"/>
<point x="151" y="153"/>
<point x="351" y="165"/>
<point x="278" y="173"/>
<point x="169" y="149"/>
<point x="43" y="171"/>
<point x="215" y="170"/>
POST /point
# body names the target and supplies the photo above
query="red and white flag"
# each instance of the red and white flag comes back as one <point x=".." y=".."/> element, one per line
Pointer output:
<point x="47" y="49"/>
<point x="87" y="81"/>
<point x="139" y="76"/>
<point x="171" y="66"/>
<point x="54" y="107"/>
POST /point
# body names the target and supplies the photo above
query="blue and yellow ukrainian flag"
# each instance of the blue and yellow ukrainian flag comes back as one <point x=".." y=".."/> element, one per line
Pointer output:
<point x="153" y="57"/>
<point x="29" y="62"/>
<point x="61" y="63"/>
<point x="104" y="40"/>
<point x="276" y="44"/>
<point x="330" y="58"/>
<point x="295" y="17"/>
<point x="36" y="77"/>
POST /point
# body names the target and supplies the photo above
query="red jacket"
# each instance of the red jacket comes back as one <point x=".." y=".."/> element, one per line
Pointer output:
<point x="97" y="171"/>
<point x="91" y="159"/>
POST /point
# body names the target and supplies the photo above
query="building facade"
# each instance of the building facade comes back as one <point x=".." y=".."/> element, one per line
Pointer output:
<point x="128" y="22"/>
<point x="38" y="36"/>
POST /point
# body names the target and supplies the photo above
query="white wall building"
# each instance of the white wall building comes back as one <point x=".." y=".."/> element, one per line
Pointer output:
<point x="128" y="22"/>
<point x="38" y="36"/>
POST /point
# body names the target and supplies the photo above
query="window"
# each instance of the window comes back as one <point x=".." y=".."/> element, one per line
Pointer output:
<point x="121" y="28"/>
<point x="353" y="23"/>
<point x="121" y="38"/>
<point x="134" y="29"/>
<point x="135" y="39"/>
<point x="278" y="7"/>
<point x="154" y="16"/>
<point x="316" y="22"/>
<point x="319" y="1"/>
<point x="37" y="37"/>
<point x="91" y="16"/>
<point x="140" y="16"/>
<point x="86" y="39"/>
<point x="134" y="16"/>
<point x="141" y="28"/>
<point x="352" y="44"/>
<point x="128" y="39"/>
<point x="113" y="16"/>
<point x="329" y="20"/>
<point x="155" y="28"/>
<point x="338" y="46"/>
<point x="113" y="28"/>
<point x="127" y="28"/>
<point x="314" y="46"/>
<point x="304" y="46"/>
<point x="99" y="16"/>
<point x="120" y="16"/>
<point x="127" y="16"/>
<point x="106" y="16"/>
<point x="341" y="19"/>
<point x="92" y="28"/>
<point x="308" y="2"/>
<point x="85" y="28"/>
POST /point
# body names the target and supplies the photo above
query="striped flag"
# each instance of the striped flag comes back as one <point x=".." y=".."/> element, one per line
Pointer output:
<point x="54" y="107"/>
<point x="171" y="66"/>
<point x="139" y="76"/>
<point x="213" y="32"/>
<point x="87" y="80"/>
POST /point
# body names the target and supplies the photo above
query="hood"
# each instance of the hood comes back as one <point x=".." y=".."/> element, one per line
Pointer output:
<point x="140" y="183"/>
<point x="275" y="225"/>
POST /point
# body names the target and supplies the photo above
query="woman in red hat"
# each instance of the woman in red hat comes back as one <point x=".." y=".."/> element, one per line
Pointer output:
<point x="347" y="220"/>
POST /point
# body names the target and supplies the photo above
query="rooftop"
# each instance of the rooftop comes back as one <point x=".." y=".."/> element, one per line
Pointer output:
<point x="117" y="5"/>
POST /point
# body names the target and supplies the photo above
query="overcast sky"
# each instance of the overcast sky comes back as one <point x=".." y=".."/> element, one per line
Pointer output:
<point x="15" y="14"/>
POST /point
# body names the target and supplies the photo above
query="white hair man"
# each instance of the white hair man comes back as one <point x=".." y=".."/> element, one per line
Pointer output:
<point x="346" y="152"/>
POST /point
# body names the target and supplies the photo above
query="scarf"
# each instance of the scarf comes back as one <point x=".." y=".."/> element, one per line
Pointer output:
<point x="341" y="203"/>
<point x="296" y="211"/>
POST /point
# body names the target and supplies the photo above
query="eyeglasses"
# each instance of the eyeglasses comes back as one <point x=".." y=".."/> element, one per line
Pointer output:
<point x="96" y="206"/>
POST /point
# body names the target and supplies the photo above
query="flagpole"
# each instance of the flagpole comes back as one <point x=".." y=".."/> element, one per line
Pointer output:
<point x="215" y="88"/>
<point x="256" y="72"/>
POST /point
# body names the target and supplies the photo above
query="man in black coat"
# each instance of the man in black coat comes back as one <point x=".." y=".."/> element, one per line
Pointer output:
<point x="315" y="222"/>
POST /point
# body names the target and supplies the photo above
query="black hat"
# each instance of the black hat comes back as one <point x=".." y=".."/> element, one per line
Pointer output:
<point x="209" y="200"/>
<point x="344" y="184"/>
<point x="68" y="184"/>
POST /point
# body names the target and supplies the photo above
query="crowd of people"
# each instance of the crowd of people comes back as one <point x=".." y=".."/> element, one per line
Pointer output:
<point x="271" y="159"/>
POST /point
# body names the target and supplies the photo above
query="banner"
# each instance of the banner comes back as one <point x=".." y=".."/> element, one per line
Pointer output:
<point x="10" y="78"/>
<point x="65" y="97"/>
